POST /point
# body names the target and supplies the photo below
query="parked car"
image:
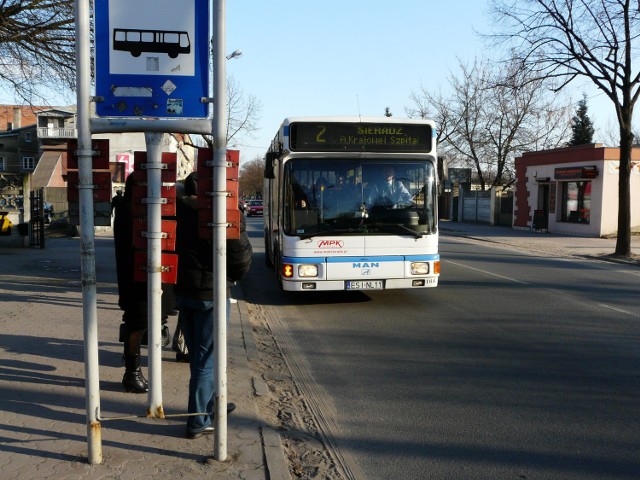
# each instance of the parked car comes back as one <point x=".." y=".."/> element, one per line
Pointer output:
<point x="253" y="207"/>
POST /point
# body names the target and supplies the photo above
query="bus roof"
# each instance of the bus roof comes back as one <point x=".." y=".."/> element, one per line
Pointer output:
<point x="357" y="119"/>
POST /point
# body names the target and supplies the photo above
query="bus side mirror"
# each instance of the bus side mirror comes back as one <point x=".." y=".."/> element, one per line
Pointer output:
<point x="443" y="168"/>
<point x="269" y="164"/>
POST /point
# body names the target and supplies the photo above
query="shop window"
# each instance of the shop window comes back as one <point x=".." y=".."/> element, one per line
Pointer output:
<point x="2" y="165"/>
<point x="576" y="202"/>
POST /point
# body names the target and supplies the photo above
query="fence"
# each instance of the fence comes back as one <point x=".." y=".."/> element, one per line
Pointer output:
<point x="494" y="207"/>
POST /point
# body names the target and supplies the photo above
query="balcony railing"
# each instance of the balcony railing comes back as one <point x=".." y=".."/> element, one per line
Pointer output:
<point x="57" y="132"/>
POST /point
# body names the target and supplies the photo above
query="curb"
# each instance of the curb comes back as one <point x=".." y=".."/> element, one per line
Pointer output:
<point x="276" y="465"/>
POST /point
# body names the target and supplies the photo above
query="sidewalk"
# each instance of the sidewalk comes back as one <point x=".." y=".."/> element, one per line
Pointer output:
<point x="43" y="432"/>
<point x="541" y="242"/>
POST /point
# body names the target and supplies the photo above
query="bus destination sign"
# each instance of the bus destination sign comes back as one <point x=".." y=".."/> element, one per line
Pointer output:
<point x="357" y="137"/>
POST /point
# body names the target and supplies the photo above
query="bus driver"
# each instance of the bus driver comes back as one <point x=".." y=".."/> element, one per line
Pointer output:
<point x="390" y="191"/>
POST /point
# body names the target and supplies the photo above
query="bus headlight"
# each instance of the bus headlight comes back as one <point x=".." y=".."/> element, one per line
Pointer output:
<point x="419" y="268"/>
<point x="307" y="270"/>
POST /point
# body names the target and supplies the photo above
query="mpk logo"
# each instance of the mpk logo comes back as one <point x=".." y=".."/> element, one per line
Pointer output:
<point x="330" y="244"/>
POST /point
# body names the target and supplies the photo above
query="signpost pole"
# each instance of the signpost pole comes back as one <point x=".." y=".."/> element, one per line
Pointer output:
<point x="154" y="271"/>
<point x="87" y="245"/>
<point x="219" y="233"/>
<point x="163" y="91"/>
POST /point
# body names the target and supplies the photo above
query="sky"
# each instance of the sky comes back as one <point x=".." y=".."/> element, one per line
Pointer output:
<point x="350" y="57"/>
<point x="344" y="57"/>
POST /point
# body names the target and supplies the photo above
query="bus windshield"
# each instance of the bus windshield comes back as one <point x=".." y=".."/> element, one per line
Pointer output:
<point x="359" y="197"/>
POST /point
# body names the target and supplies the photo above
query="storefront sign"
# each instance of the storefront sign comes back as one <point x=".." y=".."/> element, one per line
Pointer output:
<point x="576" y="173"/>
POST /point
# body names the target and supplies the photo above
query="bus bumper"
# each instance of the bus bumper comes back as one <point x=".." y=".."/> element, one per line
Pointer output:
<point x="337" y="285"/>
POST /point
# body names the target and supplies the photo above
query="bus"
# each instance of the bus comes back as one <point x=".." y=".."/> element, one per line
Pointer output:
<point x="136" y="41"/>
<point x="350" y="203"/>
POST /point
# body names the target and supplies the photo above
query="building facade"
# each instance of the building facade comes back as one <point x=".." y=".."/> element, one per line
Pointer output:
<point x="573" y="190"/>
<point x="33" y="155"/>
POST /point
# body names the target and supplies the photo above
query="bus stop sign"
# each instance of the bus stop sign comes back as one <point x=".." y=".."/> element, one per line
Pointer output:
<point x="152" y="58"/>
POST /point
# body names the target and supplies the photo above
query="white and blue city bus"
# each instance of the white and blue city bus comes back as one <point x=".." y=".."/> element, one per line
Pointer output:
<point x="350" y="203"/>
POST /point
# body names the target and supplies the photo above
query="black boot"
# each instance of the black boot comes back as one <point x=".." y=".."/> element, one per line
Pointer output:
<point x="133" y="380"/>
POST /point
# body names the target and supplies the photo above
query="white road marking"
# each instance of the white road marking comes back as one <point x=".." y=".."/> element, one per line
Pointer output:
<point x="619" y="310"/>
<point x="488" y="273"/>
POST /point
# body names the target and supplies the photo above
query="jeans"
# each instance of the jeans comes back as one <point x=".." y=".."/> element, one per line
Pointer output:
<point x="197" y="323"/>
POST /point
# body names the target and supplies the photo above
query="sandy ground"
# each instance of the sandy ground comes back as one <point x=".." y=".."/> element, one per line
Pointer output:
<point x="287" y="408"/>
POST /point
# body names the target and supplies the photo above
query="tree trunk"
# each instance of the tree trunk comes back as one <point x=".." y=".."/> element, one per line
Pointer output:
<point x="623" y="243"/>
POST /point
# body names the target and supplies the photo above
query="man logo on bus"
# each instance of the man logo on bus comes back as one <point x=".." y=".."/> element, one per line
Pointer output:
<point x="330" y="244"/>
<point x="365" y="265"/>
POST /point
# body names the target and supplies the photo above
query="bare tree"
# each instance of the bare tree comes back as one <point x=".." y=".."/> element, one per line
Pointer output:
<point x="243" y="113"/>
<point x="492" y="115"/>
<point x="426" y="105"/>
<point x="523" y="116"/>
<point x="609" y="135"/>
<point x="468" y="104"/>
<point x="583" y="38"/>
<point x="252" y="177"/>
<point x="37" y="48"/>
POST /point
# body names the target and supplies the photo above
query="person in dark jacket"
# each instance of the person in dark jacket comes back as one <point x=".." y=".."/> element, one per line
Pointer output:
<point x="194" y="297"/>
<point x="116" y="200"/>
<point x="132" y="296"/>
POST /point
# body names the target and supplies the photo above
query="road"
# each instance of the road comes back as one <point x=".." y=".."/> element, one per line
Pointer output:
<point x="516" y="366"/>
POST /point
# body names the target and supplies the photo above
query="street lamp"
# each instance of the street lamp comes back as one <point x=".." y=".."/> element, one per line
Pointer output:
<point x="234" y="54"/>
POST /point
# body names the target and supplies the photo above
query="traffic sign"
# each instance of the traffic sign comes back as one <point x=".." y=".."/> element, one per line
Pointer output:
<point x="152" y="58"/>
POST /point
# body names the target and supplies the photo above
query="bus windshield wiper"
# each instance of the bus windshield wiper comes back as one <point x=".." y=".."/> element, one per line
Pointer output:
<point x="394" y="227"/>
<point x="330" y="231"/>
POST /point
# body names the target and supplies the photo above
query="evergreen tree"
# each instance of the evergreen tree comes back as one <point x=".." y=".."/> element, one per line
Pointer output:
<point x="581" y="125"/>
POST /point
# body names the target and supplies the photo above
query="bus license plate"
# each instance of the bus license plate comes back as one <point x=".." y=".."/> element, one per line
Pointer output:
<point x="365" y="285"/>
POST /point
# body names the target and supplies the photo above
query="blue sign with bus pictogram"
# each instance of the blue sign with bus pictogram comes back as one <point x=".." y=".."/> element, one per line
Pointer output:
<point x="152" y="58"/>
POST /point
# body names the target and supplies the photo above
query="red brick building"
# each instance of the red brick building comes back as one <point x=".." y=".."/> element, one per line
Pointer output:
<point x="15" y="116"/>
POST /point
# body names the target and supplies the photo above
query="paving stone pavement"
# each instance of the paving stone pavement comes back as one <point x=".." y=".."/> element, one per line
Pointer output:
<point x="43" y="430"/>
<point x="542" y="242"/>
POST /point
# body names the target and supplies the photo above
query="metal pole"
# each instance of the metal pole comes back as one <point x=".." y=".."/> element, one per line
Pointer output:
<point x="154" y="269"/>
<point x="87" y="246"/>
<point x="219" y="229"/>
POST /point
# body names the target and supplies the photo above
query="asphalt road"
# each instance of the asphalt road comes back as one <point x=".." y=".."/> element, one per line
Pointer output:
<point x="516" y="366"/>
